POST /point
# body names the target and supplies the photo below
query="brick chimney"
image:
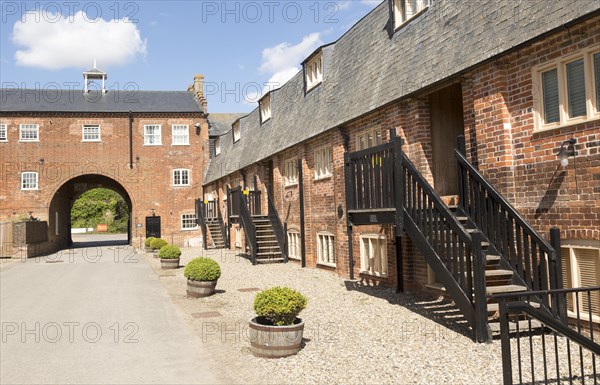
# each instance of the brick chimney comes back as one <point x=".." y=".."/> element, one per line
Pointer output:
<point x="198" y="89"/>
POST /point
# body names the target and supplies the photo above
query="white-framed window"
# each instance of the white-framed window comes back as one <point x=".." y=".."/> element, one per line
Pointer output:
<point x="323" y="163"/>
<point x="313" y="71"/>
<point x="567" y="90"/>
<point x="237" y="132"/>
<point x="217" y="146"/>
<point x="265" y="108"/>
<point x="181" y="177"/>
<point x="90" y="133"/>
<point x="29" y="132"/>
<point x="368" y="139"/>
<point x="29" y="180"/>
<point x="581" y="268"/>
<point x="3" y="133"/>
<point x="294" y="245"/>
<point x="180" y="134"/>
<point x="404" y="10"/>
<point x="326" y="249"/>
<point x="152" y="135"/>
<point x="291" y="172"/>
<point x="188" y="222"/>
<point x="373" y="255"/>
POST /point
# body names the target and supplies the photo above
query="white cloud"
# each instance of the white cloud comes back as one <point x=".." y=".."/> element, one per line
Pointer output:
<point x="54" y="41"/>
<point x="343" y="5"/>
<point x="282" y="61"/>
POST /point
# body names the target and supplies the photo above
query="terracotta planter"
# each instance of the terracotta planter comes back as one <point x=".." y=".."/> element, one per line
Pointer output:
<point x="169" y="264"/>
<point x="198" y="289"/>
<point x="275" y="341"/>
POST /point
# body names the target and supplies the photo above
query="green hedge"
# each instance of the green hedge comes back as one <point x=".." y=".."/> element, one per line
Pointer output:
<point x="169" y="252"/>
<point x="202" y="269"/>
<point x="148" y="241"/>
<point x="158" y="243"/>
<point x="280" y="305"/>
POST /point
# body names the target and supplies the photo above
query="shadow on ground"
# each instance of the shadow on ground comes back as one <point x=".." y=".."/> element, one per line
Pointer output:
<point x="436" y="308"/>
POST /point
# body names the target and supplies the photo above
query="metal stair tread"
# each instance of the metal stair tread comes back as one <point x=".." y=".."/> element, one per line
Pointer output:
<point x="495" y="306"/>
<point x="505" y="289"/>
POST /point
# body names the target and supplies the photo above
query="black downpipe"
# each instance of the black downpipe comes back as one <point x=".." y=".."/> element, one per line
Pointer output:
<point x="130" y="140"/>
<point x="302" y="225"/>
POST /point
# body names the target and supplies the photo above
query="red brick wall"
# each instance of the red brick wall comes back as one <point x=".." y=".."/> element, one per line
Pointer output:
<point x="66" y="156"/>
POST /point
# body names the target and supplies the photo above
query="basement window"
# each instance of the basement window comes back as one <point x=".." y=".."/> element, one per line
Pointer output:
<point x="29" y="133"/>
<point x="326" y="249"/>
<point x="323" y="163"/>
<point x="581" y="268"/>
<point x="265" y="108"/>
<point x="405" y="10"/>
<point x="188" y="222"/>
<point x="294" y="245"/>
<point x="291" y="172"/>
<point x="567" y="90"/>
<point x="373" y="255"/>
<point x="29" y="181"/>
<point x="313" y="72"/>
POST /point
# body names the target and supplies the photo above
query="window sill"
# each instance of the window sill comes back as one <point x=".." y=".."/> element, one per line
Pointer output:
<point x="295" y="184"/>
<point x="294" y="258"/>
<point x="28" y="141"/>
<point x="152" y="145"/>
<point x="331" y="265"/>
<point x="3" y="141"/>
<point x="91" y="141"/>
<point x="313" y="87"/>
<point x="376" y="275"/>
<point x="181" y="185"/>
<point x="265" y="121"/>
<point x="30" y="189"/>
<point x="570" y="123"/>
<point x="326" y="177"/>
<point x="186" y="144"/>
<point x="191" y="229"/>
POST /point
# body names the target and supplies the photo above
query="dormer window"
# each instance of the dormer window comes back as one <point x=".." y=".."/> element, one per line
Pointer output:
<point x="404" y="10"/>
<point x="313" y="71"/>
<point x="265" y="108"/>
<point x="217" y="146"/>
<point x="237" y="133"/>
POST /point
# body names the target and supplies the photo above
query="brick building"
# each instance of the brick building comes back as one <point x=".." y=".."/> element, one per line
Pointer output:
<point x="149" y="146"/>
<point x="518" y="80"/>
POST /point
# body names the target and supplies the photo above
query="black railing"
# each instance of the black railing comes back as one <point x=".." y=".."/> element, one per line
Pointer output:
<point x="455" y="255"/>
<point x="252" y="202"/>
<point x="201" y="221"/>
<point x="211" y="210"/>
<point x="222" y="227"/>
<point x="534" y="260"/>
<point x="278" y="228"/>
<point x="371" y="173"/>
<point x="548" y="349"/>
<point x="248" y="225"/>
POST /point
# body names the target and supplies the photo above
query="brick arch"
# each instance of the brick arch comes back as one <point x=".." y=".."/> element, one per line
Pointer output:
<point x="59" y="203"/>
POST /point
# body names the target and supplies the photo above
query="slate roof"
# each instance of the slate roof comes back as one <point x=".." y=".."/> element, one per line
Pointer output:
<point x="52" y="100"/>
<point x="220" y="123"/>
<point x="366" y="68"/>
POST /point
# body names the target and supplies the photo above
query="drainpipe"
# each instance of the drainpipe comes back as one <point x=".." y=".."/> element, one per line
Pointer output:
<point x="130" y="139"/>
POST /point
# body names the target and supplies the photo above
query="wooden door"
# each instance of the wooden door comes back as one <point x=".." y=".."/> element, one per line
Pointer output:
<point x="446" y="113"/>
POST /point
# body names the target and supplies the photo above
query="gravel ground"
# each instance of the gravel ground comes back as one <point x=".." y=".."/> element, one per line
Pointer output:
<point x="353" y="334"/>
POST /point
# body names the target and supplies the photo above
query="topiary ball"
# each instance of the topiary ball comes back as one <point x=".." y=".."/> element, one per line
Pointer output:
<point x="148" y="241"/>
<point x="202" y="269"/>
<point x="279" y="305"/>
<point x="169" y="252"/>
<point x="158" y="243"/>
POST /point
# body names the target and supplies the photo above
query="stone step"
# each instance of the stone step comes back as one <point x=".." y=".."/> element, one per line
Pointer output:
<point x="269" y="260"/>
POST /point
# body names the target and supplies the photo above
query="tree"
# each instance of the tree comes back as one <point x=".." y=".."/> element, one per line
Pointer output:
<point x="100" y="205"/>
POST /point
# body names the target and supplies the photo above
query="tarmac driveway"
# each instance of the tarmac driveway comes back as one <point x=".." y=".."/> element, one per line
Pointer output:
<point x="95" y="315"/>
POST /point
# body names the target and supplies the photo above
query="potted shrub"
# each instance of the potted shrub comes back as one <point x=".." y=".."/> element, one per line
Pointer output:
<point x="169" y="257"/>
<point x="147" y="247"/>
<point x="202" y="275"/>
<point x="277" y="331"/>
<point x="156" y="244"/>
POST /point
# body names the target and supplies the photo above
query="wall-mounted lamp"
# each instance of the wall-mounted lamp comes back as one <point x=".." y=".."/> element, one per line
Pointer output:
<point x="567" y="150"/>
<point x="153" y="214"/>
<point x="42" y="161"/>
<point x="198" y="128"/>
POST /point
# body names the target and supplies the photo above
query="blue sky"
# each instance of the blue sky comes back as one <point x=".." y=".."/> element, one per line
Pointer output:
<point x="159" y="45"/>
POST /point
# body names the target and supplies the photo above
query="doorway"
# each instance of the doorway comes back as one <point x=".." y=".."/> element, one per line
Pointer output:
<point x="447" y="123"/>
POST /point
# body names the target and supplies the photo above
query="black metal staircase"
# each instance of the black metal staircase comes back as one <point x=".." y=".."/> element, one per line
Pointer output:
<point x="208" y="214"/>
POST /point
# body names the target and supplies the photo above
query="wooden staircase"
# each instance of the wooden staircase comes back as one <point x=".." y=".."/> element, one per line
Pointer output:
<point x="214" y="228"/>
<point x="268" y="246"/>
